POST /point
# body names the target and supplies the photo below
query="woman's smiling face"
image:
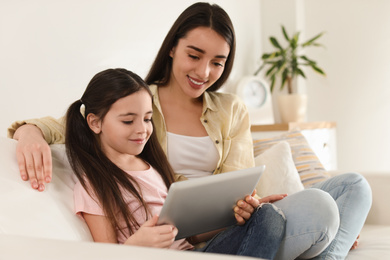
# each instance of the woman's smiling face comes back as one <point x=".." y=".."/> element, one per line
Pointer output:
<point x="198" y="61"/>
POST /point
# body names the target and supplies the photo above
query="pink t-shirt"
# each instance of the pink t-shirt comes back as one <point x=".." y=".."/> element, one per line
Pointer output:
<point x="154" y="193"/>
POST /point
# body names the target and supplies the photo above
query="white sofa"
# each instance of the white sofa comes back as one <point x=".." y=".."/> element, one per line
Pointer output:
<point x="36" y="225"/>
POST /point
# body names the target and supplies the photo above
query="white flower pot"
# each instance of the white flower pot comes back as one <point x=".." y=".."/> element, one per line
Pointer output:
<point x="292" y="107"/>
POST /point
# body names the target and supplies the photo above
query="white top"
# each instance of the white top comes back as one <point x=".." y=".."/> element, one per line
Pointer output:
<point x="192" y="156"/>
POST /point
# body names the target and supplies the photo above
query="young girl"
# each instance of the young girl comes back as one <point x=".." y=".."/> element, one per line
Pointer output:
<point x="124" y="174"/>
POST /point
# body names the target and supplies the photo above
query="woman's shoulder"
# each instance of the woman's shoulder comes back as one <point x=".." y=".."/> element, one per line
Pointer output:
<point x="225" y="99"/>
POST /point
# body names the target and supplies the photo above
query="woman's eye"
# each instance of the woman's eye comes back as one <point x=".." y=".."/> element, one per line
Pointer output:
<point x="127" y="122"/>
<point x="148" y="120"/>
<point x="218" y="64"/>
<point x="194" y="57"/>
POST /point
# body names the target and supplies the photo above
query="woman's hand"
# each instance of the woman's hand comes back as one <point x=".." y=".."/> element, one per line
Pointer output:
<point x="272" y="198"/>
<point x="34" y="156"/>
<point x="245" y="208"/>
<point x="150" y="235"/>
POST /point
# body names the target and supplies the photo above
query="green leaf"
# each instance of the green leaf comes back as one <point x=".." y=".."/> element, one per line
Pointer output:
<point x="285" y="34"/>
<point x="266" y="56"/>
<point x="310" y="62"/>
<point x="294" y="40"/>
<point x="318" y="70"/>
<point x="272" y="83"/>
<point x="284" y="77"/>
<point x="275" y="43"/>
<point x="312" y="40"/>
<point x="300" y="72"/>
<point x="269" y="71"/>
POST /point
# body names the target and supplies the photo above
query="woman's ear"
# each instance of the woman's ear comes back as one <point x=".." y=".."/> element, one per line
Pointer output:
<point x="172" y="52"/>
<point x="94" y="123"/>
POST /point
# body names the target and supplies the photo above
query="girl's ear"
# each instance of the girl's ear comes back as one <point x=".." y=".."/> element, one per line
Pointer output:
<point x="94" y="123"/>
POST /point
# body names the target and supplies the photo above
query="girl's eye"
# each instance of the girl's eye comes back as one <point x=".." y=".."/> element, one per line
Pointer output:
<point x="148" y="120"/>
<point x="127" y="122"/>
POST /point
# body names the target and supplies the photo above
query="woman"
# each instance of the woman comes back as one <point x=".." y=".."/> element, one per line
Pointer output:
<point x="205" y="132"/>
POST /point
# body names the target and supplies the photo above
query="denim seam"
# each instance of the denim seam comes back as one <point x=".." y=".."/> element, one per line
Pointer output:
<point x="347" y="186"/>
<point x="249" y="230"/>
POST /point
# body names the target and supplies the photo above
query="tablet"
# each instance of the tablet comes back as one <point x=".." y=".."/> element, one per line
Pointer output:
<point x="200" y="205"/>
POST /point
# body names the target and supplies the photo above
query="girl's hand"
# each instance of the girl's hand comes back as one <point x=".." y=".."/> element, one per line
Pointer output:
<point x="34" y="156"/>
<point x="150" y="235"/>
<point x="245" y="208"/>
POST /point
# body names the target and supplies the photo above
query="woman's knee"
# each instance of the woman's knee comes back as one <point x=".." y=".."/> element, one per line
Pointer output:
<point x="361" y="189"/>
<point x="360" y="182"/>
<point x="312" y="207"/>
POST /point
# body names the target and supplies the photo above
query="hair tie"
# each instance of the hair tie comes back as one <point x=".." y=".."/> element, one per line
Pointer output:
<point x="82" y="109"/>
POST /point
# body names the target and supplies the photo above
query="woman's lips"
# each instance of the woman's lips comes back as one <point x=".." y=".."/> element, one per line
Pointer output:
<point x="195" y="83"/>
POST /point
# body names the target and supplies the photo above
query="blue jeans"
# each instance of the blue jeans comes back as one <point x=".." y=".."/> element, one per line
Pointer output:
<point x="324" y="221"/>
<point x="259" y="237"/>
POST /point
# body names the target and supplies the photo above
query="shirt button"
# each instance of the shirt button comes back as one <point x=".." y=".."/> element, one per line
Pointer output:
<point x="217" y="141"/>
<point x="205" y="121"/>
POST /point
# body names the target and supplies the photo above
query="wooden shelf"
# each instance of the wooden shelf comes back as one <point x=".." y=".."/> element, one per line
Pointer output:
<point x="293" y="125"/>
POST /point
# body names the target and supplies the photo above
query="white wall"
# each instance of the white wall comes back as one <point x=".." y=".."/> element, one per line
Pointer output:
<point x="356" y="91"/>
<point x="50" y="49"/>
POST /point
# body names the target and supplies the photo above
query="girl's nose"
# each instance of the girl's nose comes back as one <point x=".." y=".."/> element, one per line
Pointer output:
<point x="141" y="127"/>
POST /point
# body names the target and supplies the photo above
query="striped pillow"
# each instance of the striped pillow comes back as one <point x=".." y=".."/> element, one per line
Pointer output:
<point x="309" y="167"/>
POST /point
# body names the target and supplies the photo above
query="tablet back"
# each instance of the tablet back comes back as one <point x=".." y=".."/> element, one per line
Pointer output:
<point x="200" y="205"/>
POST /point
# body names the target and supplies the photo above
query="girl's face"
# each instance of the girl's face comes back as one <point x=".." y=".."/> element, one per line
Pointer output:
<point x="198" y="61"/>
<point x="127" y="126"/>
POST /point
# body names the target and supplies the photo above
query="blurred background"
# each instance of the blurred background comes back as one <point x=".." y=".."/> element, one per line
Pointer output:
<point x="49" y="50"/>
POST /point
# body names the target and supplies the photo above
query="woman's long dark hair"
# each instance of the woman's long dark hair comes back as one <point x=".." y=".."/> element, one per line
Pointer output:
<point x="97" y="174"/>
<point x="196" y="15"/>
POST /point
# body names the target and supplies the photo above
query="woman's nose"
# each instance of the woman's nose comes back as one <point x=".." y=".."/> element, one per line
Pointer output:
<point x="203" y="70"/>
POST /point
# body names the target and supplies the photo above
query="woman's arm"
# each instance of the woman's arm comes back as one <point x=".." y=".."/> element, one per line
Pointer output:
<point x="53" y="130"/>
<point x="235" y="129"/>
<point x="33" y="152"/>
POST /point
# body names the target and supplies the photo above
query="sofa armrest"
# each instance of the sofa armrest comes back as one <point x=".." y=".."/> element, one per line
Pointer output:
<point x="380" y="210"/>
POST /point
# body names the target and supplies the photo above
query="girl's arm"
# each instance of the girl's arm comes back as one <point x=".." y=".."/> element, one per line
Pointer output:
<point x="100" y="228"/>
<point x="204" y="237"/>
<point x="150" y="235"/>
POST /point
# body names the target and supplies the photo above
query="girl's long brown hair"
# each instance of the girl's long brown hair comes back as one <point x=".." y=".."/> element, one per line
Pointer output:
<point x="97" y="174"/>
<point x="196" y="15"/>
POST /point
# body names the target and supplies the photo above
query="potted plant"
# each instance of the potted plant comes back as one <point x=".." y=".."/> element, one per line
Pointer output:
<point x="285" y="64"/>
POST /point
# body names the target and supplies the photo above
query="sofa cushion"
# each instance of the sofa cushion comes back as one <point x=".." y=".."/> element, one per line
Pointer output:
<point x="47" y="214"/>
<point x="280" y="175"/>
<point x="306" y="161"/>
<point x="374" y="243"/>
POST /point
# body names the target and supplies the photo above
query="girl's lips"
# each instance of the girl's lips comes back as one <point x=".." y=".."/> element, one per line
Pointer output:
<point x="138" y="141"/>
